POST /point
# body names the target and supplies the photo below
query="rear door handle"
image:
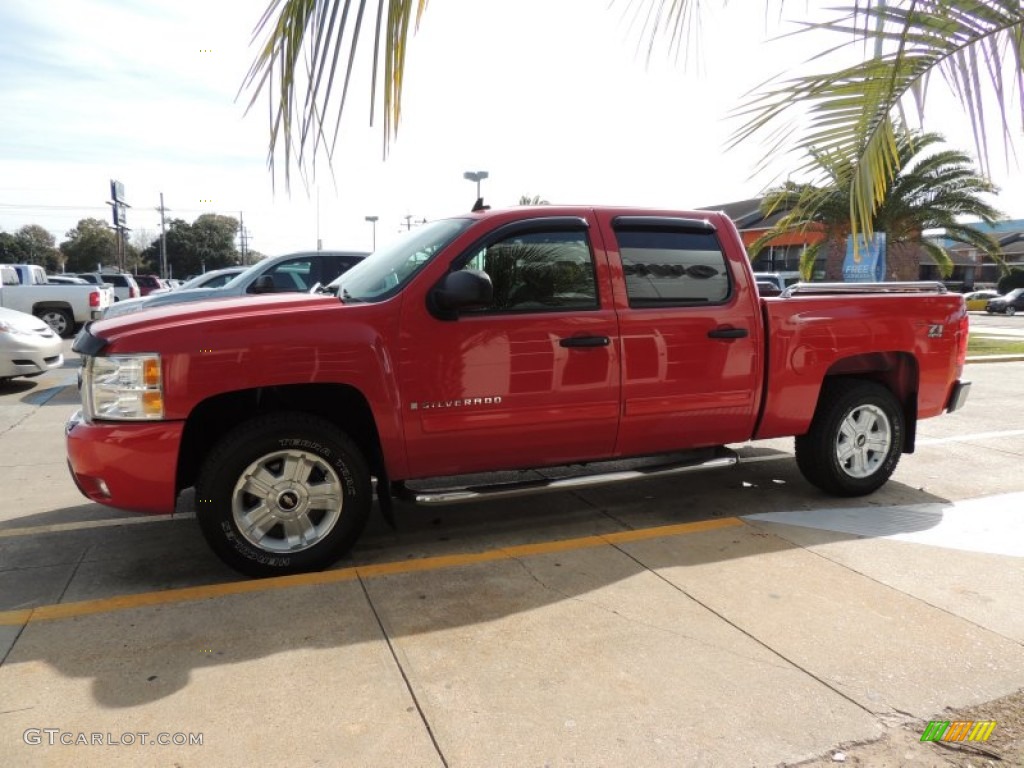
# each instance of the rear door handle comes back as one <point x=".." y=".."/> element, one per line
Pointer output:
<point x="728" y="333"/>
<point x="585" y="341"/>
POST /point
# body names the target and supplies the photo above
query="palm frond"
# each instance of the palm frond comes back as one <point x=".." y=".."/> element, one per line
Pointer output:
<point x="940" y="256"/>
<point x="304" y="44"/>
<point x="853" y="112"/>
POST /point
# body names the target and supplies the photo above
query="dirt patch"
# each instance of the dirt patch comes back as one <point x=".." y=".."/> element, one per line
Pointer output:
<point x="901" y="746"/>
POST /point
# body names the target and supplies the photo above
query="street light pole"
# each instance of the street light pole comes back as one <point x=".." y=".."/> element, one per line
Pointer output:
<point x="476" y="176"/>
<point x="373" y="222"/>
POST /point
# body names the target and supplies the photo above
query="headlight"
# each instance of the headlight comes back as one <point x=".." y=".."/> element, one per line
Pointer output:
<point x="123" y="387"/>
<point x="14" y="330"/>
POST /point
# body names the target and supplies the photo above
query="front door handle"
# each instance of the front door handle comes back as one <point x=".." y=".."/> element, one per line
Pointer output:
<point x="585" y="341"/>
<point x="728" y="333"/>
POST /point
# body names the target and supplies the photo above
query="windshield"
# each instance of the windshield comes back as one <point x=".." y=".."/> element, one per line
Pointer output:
<point x="1012" y="295"/>
<point x="243" y="277"/>
<point x="204" y="279"/>
<point x="383" y="273"/>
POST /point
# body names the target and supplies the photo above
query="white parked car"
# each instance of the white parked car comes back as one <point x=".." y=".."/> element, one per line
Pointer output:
<point x="28" y="346"/>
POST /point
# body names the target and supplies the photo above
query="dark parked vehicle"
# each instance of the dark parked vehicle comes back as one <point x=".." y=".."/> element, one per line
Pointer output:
<point x="291" y="273"/>
<point x="148" y="284"/>
<point x="1010" y="304"/>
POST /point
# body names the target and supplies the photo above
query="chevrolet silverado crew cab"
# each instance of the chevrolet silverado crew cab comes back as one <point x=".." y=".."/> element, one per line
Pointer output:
<point x="500" y="340"/>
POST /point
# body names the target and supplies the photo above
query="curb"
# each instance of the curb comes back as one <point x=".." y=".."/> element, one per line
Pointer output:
<point x="996" y="359"/>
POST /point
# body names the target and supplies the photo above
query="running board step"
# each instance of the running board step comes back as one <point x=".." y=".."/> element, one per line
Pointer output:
<point x="721" y="457"/>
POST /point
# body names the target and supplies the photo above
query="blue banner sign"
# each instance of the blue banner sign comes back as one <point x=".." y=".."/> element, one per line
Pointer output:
<point x="866" y="262"/>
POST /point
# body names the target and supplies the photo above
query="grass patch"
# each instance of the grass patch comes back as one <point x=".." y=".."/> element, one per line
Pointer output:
<point x="991" y="345"/>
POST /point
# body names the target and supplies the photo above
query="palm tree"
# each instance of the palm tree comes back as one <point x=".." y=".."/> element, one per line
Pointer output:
<point x="930" y="191"/>
<point x="977" y="45"/>
<point x="534" y="200"/>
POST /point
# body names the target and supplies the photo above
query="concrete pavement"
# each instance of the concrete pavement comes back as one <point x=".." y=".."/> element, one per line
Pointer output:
<point x="736" y="617"/>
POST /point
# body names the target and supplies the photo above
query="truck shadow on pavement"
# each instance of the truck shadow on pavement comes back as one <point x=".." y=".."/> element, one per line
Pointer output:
<point x="141" y="652"/>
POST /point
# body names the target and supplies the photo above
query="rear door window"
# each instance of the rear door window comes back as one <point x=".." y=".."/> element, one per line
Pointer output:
<point x="666" y="266"/>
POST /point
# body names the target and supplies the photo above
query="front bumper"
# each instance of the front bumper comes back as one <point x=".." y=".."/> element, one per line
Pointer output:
<point x="128" y="465"/>
<point x="31" y="358"/>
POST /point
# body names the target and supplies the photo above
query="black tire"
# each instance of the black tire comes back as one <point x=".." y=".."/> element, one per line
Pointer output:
<point x="855" y="440"/>
<point x="321" y="460"/>
<point x="60" y="320"/>
<point x="1011" y="311"/>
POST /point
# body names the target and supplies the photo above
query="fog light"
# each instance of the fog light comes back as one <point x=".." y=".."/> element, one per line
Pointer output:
<point x="94" y="487"/>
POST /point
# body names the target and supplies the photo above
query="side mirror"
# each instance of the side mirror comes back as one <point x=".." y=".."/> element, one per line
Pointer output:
<point x="462" y="290"/>
<point x="263" y="284"/>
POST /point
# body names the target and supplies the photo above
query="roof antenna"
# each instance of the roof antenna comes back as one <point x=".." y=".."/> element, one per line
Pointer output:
<point x="479" y="205"/>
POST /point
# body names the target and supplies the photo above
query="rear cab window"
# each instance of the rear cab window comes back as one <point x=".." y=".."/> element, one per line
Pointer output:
<point x="671" y="262"/>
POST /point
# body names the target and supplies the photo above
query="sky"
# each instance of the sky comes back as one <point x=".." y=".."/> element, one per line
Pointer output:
<point x="550" y="98"/>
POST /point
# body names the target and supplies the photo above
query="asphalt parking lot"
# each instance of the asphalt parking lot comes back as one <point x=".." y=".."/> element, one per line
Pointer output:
<point x="735" y="617"/>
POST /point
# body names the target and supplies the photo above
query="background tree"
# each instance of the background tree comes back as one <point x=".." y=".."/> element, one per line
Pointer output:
<point x="535" y="200"/>
<point x="930" y="191"/>
<point x="40" y="248"/>
<point x="208" y="243"/>
<point x="89" y="244"/>
<point x="12" y="249"/>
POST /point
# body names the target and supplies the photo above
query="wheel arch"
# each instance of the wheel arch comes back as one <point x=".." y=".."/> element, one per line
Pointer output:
<point x="42" y="306"/>
<point x="341" y="405"/>
<point x="898" y="372"/>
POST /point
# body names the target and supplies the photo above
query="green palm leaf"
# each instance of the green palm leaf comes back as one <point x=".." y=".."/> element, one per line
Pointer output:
<point x="930" y="191"/>
<point x="304" y="41"/>
<point x="852" y="113"/>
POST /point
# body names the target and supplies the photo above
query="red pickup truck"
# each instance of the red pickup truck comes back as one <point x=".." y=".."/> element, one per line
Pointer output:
<point x="500" y="340"/>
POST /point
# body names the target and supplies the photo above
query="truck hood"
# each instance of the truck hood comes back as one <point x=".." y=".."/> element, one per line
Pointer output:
<point x="211" y="312"/>
<point x="128" y="306"/>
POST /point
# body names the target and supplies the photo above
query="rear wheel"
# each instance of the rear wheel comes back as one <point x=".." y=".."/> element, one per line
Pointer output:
<point x="855" y="440"/>
<point x="284" y="493"/>
<point x="60" y="320"/>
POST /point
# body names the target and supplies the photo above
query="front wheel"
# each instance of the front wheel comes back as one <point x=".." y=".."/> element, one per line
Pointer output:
<point x="855" y="440"/>
<point x="1011" y="310"/>
<point x="60" y="321"/>
<point x="283" y="493"/>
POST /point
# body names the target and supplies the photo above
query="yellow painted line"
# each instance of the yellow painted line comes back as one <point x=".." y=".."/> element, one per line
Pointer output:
<point x="186" y="594"/>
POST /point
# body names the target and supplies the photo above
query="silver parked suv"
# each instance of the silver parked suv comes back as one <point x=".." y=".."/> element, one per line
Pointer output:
<point x="294" y="272"/>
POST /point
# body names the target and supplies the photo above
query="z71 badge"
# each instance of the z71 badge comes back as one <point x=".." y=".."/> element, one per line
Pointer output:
<point x="934" y="331"/>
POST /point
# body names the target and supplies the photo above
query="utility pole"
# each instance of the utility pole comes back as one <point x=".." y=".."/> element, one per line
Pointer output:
<point x="409" y="222"/>
<point x="163" y="238"/>
<point x="243" y="241"/>
<point x="373" y="222"/>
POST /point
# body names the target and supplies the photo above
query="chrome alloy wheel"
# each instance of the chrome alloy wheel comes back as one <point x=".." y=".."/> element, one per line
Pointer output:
<point x="864" y="440"/>
<point x="287" y="501"/>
